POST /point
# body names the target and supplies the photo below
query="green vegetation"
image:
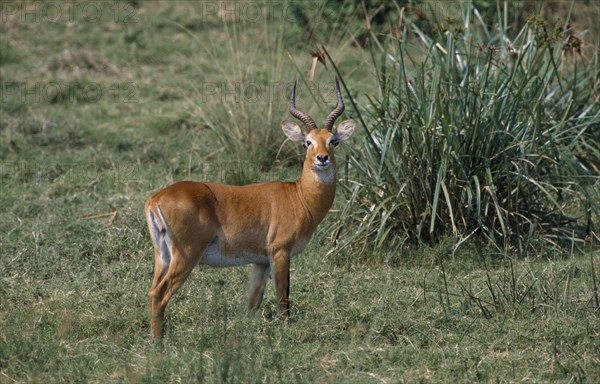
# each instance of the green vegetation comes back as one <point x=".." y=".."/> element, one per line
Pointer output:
<point x="463" y="246"/>
<point x="477" y="132"/>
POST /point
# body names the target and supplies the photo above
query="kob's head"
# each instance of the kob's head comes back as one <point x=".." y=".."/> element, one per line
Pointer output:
<point x="319" y="142"/>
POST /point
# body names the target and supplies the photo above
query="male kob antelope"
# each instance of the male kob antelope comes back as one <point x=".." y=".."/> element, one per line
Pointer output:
<point x="260" y="224"/>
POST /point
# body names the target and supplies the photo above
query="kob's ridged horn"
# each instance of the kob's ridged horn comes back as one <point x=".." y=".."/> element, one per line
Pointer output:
<point x="328" y="124"/>
<point x="308" y="122"/>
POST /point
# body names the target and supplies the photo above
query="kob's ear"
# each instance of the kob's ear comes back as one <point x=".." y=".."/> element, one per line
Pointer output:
<point x="345" y="130"/>
<point x="293" y="132"/>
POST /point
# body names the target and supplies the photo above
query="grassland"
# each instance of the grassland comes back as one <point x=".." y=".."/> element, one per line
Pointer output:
<point x="104" y="103"/>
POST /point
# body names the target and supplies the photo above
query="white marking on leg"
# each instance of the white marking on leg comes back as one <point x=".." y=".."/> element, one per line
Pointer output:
<point x="160" y="235"/>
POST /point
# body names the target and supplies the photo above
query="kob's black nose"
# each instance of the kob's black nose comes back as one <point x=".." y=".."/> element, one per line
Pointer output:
<point x="322" y="159"/>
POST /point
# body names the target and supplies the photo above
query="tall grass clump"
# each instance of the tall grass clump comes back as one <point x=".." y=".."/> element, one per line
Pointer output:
<point x="476" y="132"/>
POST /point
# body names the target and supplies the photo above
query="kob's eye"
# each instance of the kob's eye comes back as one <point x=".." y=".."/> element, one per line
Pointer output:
<point x="307" y="143"/>
<point x="334" y="142"/>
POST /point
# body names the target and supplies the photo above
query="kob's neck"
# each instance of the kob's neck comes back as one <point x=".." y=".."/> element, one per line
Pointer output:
<point x="317" y="189"/>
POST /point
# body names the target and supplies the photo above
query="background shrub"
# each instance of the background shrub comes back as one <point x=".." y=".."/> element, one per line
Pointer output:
<point x="476" y="132"/>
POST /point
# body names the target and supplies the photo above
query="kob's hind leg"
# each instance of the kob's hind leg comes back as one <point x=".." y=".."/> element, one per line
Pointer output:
<point x="160" y="294"/>
<point x="156" y="293"/>
<point x="162" y="261"/>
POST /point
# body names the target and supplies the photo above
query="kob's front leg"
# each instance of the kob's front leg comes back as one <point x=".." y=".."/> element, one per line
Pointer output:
<point x="258" y="279"/>
<point x="281" y="272"/>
